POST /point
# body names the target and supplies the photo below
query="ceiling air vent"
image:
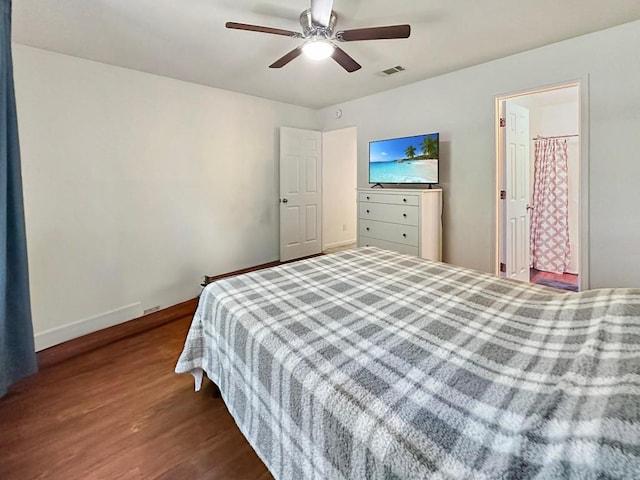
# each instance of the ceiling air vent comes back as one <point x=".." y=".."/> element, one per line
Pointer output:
<point x="392" y="70"/>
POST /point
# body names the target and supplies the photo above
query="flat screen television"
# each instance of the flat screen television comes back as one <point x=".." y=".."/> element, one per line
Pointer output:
<point x="405" y="160"/>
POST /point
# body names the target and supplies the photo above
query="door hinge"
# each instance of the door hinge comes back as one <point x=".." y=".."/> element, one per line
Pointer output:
<point x="503" y="194"/>
<point x="503" y="267"/>
<point x="503" y="122"/>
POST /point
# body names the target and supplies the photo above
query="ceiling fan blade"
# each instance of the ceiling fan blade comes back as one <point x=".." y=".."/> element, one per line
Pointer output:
<point x="374" y="33"/>
<point x="321" y="12"/>
<point x="345" y="61"/>
<point x="282" y="61"/>
<point x="258" y="28"/>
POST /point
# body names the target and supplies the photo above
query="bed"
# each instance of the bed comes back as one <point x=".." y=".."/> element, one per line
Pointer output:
<point x="370" y="364"/>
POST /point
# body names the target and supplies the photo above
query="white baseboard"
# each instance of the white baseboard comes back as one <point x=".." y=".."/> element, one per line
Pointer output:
<point x="58" y="335"/>
<point x="338" y="244"/>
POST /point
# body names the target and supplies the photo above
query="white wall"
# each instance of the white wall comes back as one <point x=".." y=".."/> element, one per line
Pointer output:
<point x="137" y="185"/>
<point x="339" y="180"/>
<point x="461" y="107"/>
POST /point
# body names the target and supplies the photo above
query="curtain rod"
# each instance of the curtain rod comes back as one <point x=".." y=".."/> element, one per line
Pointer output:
<point x="540" y="137"/>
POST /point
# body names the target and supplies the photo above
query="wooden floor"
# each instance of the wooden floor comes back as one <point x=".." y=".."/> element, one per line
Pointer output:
<point x="119" y="412"/>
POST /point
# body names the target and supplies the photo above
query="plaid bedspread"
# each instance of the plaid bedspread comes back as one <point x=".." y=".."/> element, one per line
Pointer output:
<point x="368" y="364"/>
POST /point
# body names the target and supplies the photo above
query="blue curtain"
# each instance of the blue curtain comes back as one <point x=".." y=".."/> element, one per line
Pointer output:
<point x="17" y="353"/>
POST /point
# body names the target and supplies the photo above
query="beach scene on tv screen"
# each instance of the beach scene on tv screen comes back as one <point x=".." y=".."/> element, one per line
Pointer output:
<point x="404" y="160"/>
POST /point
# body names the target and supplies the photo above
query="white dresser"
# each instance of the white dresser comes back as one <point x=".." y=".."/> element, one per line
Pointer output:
<point x="404" y="220"/>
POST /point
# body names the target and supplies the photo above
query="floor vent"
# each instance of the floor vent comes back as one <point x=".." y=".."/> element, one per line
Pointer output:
<point x="392" y="70"/>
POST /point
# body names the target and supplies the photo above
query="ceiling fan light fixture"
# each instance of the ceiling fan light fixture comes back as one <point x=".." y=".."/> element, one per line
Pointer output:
<point x="317" y="49"/>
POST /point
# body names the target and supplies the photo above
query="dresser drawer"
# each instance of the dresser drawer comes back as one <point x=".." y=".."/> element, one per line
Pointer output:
<point x="383" y="212"/>
<point x="391" y="232"/>
<point x="398" y="247"/>
<point x="394" y="198"/>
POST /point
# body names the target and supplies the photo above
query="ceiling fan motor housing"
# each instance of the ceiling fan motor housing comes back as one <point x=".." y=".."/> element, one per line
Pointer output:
<point x="312" y="30"/>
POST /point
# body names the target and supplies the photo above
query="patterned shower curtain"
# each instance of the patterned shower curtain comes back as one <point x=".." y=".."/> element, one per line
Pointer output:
<point x="550" y="217"/>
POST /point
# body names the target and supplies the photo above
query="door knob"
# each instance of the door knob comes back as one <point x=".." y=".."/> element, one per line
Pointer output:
<point x="284" y="200"/>
<point x="529" y="207"/>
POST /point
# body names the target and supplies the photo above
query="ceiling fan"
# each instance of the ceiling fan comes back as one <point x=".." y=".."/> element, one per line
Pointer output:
<point x="318" y="23"/>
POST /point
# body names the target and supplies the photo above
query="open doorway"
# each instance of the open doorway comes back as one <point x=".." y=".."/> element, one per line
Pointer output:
<point x="339" y="180"/>
<point x="539" y="187"/>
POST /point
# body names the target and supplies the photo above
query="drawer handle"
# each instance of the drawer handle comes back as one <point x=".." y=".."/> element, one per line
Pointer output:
<point x="404" y="235"/>
<point x="367" y="198"/>
<point x="367" y="229"/>
<point x="404" y="200"/>
<point x="367" y="211"/>
<point x="404" y="215"/>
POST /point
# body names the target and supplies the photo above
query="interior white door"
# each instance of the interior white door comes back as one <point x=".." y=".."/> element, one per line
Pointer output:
<point x="517" y="186"/>
<point x="300" y="193"/>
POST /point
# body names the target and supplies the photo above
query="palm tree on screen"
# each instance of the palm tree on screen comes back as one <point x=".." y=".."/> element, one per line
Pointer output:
<point x="410" y="152"/>
<point x="429" y="147"/>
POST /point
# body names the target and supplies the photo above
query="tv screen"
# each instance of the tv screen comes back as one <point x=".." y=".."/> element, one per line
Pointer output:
<point x="405" y="160"/>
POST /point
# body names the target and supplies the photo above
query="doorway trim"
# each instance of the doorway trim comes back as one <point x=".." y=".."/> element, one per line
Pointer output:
<point x="583" y="217"/>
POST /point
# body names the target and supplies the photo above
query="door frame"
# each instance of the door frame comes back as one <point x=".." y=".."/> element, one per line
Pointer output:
<point x="583" y="216"/>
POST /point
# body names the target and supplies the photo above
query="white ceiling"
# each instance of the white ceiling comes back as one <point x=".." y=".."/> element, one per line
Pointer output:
<point x="187" y="40"/>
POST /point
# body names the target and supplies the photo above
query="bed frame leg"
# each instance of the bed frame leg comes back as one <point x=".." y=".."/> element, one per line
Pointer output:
<point x="215" y="391"/>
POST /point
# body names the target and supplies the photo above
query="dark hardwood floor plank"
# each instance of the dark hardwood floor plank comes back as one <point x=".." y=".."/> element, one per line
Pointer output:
<point x="92" y="341"/>
<point x="119" y="412"/>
